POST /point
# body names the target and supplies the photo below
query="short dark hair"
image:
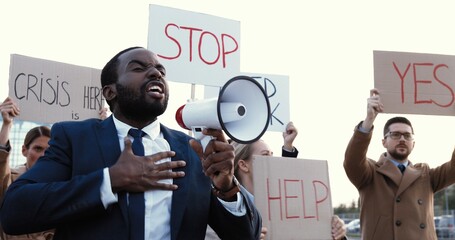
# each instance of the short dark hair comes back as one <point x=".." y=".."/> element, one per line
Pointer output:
<point x="397" y="120"/>
<point x="35" y="133"/>
<point x="109" y="72"/>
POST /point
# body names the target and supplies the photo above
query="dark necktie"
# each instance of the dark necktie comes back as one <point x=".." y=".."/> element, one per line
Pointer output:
<point x="401" y="167"/>
<point x="136" y="201"/>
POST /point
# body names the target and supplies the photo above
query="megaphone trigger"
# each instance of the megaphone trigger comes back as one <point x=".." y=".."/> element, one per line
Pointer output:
<point x="202" y="138"/>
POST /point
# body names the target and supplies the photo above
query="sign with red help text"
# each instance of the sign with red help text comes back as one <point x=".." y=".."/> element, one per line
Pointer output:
<point x="48" y="91"/>
<point x="194" y="47"/>
<point x="293" y="197"/>
<point x="415" y="83"/>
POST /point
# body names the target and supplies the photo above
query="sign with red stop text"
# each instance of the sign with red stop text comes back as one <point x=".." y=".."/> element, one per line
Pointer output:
<point x="194" y="47"/>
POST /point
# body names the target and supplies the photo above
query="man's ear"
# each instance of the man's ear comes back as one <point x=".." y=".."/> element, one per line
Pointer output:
<point x="243" y="166"/>
<point x="109" y="92"/>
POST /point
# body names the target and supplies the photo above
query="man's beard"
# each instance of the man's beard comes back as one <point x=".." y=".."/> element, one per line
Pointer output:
<point x="135" y="106"/>
<point x="399" y="156"/>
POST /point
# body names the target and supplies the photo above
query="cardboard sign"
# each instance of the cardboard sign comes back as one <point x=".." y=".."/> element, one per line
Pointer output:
<point x="193" y="47"/>
<point x="415" y="83"/>
<point x="293" y="197"/>
<point x="48" y="91"/>
<point x="276" y="88"/>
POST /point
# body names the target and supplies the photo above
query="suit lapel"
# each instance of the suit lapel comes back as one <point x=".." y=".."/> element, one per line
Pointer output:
<point x="389" y="169"/>
<point x="107" y="138"/>
<point x="410" y="175"/>
<point x="179" y="197"/>
<point x="403" y="181"/>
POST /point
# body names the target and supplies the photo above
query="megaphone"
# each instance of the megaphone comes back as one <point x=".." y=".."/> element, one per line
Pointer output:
<point x="241" y="110"/>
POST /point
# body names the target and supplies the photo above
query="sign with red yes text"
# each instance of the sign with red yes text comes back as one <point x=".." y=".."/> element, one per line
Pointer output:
<point x="415" y="83"/>
<point x="194" y="47"/>
<point x="293" y="197"/>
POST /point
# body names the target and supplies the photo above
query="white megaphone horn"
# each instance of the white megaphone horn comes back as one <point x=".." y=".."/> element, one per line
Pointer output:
<point x="242" y="111"/>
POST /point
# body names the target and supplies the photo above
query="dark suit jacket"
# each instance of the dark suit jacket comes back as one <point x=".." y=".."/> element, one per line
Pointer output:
<point x="62" y="191"/>
<point x="285" y="153"/>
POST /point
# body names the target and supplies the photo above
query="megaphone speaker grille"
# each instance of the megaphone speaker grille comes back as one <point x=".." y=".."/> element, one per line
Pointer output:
<point x="255" y="110"/>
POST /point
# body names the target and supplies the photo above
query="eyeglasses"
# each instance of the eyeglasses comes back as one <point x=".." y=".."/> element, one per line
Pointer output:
<point x="397" y="136"/>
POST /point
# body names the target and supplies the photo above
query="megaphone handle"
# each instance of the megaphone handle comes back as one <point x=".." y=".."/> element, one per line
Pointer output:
<point x="203" y="139"/>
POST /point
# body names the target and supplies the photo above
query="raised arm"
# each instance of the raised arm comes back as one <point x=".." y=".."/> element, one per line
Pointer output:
<point x="289" y="135"/>
<point x="358" y="169"/>
<point x="374" y="107"/>
<point x="9" y="110"/>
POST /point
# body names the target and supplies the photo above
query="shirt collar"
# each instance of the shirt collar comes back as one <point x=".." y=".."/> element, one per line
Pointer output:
<point x="152" y="130"/>
<point x="398" y="163"/>
<point x="395" y="162"/>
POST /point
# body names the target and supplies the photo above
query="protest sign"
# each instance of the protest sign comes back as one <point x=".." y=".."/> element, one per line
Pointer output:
<point x="194" y="47"/>
<point x="276" y="88"/>
<point x="293" y="197"/>
<point x="415" y="83"/>
<point x="49" y="91"/>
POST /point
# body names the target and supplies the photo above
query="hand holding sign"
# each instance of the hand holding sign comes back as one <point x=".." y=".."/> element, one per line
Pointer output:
<point x="9" y="110"/>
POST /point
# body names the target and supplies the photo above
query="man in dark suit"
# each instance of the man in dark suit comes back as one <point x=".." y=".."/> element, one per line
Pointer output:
<point x="84" y="184"/>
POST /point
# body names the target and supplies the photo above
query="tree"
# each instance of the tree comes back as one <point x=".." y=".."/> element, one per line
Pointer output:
<point x="345" y="212"/>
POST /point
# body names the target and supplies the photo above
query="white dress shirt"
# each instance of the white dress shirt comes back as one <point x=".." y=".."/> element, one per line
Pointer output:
<point x="157" y="202"/>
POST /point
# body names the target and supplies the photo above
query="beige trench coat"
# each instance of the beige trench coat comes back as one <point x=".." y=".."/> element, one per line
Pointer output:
<point x="394" y="205"/>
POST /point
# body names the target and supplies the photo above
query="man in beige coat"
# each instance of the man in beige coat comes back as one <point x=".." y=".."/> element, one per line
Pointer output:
<point x="394" y="205"/>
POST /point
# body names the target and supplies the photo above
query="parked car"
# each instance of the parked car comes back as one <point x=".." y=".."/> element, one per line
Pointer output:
<point x="353" y="226"/>
<point x="347" y="220"/>
<point x="436" y="224"/>
<point x="446" y="226"/>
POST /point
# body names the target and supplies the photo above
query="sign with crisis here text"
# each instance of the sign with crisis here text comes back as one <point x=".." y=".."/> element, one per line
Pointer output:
<point x="293" y="197"/>
<point x="194" y="47"/>
<point x="48" y="91"/>
<point x="415" y="83"/>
